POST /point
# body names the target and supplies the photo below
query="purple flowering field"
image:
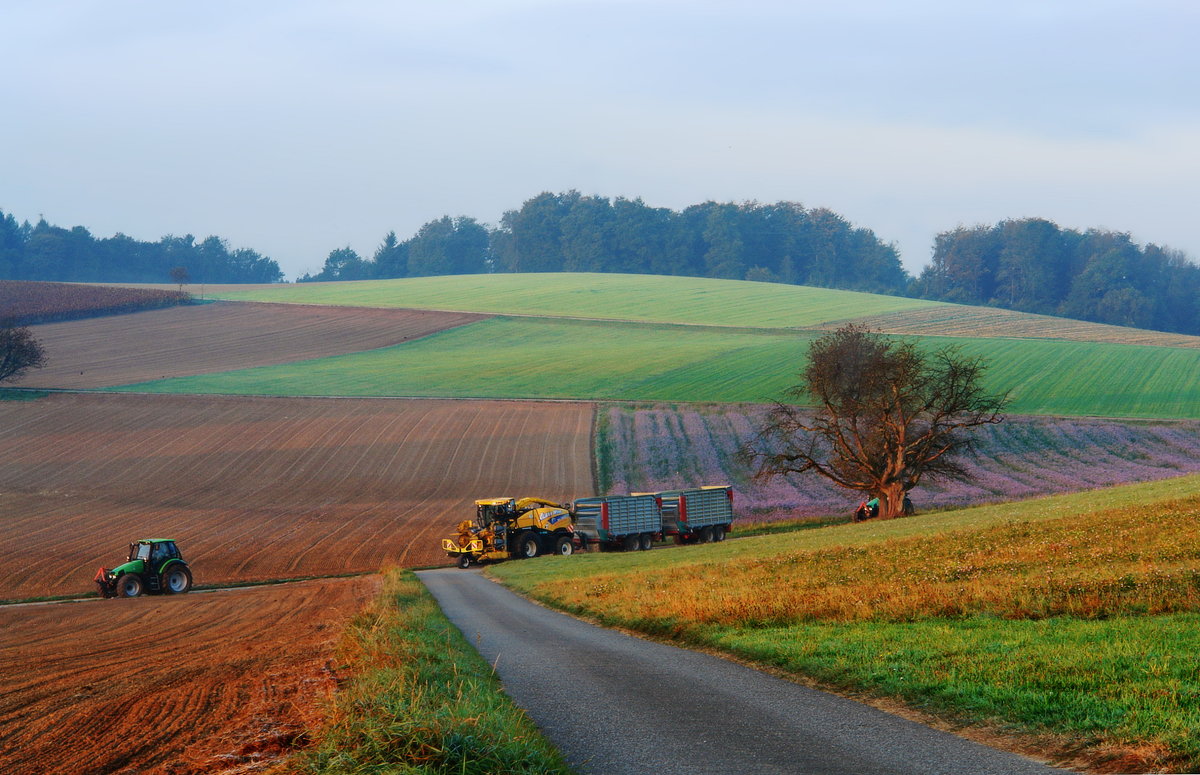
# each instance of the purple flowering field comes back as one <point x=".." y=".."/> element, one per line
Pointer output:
<point x="652" y="448"/>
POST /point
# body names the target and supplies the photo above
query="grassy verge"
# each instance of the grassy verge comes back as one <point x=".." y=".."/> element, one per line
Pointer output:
<point x="21" y="394"/>
<point x="420" y="700"/>
<point x="1071" y="619"/>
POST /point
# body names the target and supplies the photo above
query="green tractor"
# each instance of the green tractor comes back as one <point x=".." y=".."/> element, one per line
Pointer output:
<point x="154" y="566"/>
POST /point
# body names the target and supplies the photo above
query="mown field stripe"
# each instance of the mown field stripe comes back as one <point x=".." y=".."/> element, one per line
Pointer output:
<point x="547" y="358"/>
<point x="646" y="298"/>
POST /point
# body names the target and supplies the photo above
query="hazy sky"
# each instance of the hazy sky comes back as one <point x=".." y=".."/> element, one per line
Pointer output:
<point x="298" y="127"/>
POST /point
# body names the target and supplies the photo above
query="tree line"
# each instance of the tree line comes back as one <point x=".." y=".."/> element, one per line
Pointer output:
<point x="570" y="232"/>
<point x="1030" y="264"/>
<point x="1033" y="265"/>
<point x="46" y="252"/>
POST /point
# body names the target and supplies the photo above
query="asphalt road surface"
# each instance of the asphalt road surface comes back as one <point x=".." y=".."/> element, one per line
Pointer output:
<point x="617" y="704"/>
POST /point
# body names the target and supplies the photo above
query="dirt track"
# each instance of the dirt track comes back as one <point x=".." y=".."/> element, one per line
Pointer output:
<point x="122" y="349"/>
<point x="264" y="488"/>
<point x="197" y="683"/>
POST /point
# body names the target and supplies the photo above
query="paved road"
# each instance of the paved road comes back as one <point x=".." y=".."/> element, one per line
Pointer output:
<point x="616" y="704"/>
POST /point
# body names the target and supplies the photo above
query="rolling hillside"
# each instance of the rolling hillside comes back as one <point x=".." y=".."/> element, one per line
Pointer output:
<point x="643" y="298"/>
<point x="569" y="359"/>
<point x="694" y="301"/>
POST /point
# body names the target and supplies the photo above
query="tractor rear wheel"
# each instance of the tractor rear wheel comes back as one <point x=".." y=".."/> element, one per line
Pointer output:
<point x="564" y="547"/>
<point x="176" y="581"/>
<point x="527" y="546"/>
<point x="129" y="585"/>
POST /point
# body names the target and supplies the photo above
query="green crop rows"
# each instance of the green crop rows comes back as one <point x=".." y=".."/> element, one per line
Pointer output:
<point x="554" y="358"/>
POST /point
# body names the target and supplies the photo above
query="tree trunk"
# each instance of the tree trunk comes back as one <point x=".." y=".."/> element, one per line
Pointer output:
<point x="891" y="500"/>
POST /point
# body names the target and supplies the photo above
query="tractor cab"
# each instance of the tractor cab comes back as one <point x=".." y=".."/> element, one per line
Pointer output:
<point x="492" y="510"/>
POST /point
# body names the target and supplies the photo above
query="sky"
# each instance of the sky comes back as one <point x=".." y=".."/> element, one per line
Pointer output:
<point x="296" y="128"/>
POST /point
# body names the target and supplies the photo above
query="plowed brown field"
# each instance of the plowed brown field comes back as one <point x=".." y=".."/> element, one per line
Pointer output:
<point x="264" y="488"/>
<point x="204" y="338"/>
<point x="198" y="683"/>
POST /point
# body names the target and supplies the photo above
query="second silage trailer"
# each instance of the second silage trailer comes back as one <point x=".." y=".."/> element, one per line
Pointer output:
<point x="698" y="515"/>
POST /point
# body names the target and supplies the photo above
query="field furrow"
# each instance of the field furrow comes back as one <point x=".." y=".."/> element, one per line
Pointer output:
<point x="181" y="685"/>
<point x="264" y="488"/>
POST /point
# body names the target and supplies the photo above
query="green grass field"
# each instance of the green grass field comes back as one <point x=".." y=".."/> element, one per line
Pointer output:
<point x="555" y="358"/>
<point x="645" y="298"/>
<point x="1121" y="681"/>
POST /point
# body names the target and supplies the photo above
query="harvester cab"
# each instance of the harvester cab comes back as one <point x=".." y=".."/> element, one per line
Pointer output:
<point x="508" y="527"/>
<point x="155" y="565"/>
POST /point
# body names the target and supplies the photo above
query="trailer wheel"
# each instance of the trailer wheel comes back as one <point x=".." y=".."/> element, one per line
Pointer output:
<point x="631" y="543"/>
<point x="527" y="546"/>
<point x="564" y="547"/>
<point x="176" y="581"/>
<point x="129" y="585"/>
<point x="464" y="561"/>
<point x="646" y="542"/>
<point x="718" y="532"/>
<point x="706" y="534"/>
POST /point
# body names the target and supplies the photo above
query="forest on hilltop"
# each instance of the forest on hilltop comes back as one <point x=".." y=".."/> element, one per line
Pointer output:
<point x="570" y="232"/>
<point x="1033" y="265"/>
<point x="1029" y="264"/>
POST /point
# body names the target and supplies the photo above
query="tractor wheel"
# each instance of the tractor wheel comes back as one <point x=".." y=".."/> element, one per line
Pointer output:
<point x="527" y="546"/>
<point x="464" y="561"/>
<point x="631" y="543"/>
<point x="176" y="581"/>
<point x="646" y="542"/>
<point x="129" y="585"/>
<point x="564" y="547"/>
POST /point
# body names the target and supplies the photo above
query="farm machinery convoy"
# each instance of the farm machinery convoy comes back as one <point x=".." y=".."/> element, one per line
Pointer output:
<point x="503" y="528"/>
<point x="506" y="528"/>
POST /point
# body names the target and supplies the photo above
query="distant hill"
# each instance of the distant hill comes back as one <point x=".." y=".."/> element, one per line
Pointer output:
<point x="644" y="338"/>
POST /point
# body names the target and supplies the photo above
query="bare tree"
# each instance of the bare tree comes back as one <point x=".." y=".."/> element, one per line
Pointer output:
<point x="886" y="416"/>
<point x="181" y="276"/>
<point x="19" y="352"/>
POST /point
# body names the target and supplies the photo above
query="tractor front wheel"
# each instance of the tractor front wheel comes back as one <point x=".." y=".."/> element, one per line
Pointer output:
<point x="176" y="581"/>
<point x="527" y="546"/>
<point x="129" y="585"/>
